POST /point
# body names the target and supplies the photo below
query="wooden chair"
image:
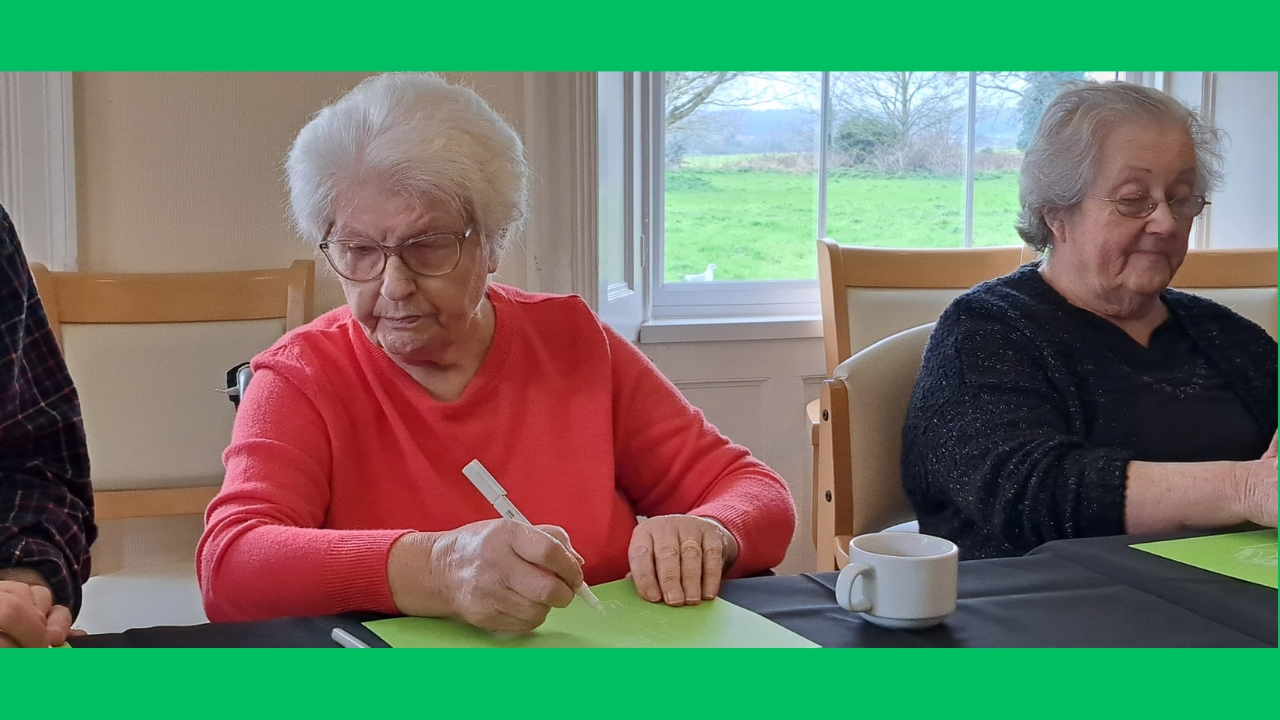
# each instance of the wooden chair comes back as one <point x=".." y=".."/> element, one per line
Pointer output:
<point x="1242" y="279"/>
<point x="864" y="406"/>
<point x="147" y="353"/>
<point x="133" y="299"/>
<point x="869" y="294"/>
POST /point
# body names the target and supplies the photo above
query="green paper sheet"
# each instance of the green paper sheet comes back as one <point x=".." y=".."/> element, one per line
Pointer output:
<point x="628" y="621"/>
<point x="1249" y="556"/>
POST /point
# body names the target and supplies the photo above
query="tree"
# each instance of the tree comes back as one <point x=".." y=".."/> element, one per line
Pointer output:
<point x="688" y="91"/>
<point x="913" y="103"/>
<point x="1041" y="88"/>
<point x="1033" y="91"/>
<point x="915" y="106"/>
<point x="861" y="139"/>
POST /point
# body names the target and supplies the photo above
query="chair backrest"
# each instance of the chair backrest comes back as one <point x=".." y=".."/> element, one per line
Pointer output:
<point x="147" y="352"/>
<point x="1242" y="279"/>
<point x="869" y="294"/>
<point x="868" y="398"/>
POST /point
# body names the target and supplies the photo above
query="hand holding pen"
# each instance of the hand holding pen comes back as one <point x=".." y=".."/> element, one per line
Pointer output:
<point x="501" y="575"/>
<point x="498" y="575"/>
<point x="497" y="496"/>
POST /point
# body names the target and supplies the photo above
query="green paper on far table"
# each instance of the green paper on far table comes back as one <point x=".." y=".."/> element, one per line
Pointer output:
<point x="628" y="621"/>
<point x="1248" y="556"/>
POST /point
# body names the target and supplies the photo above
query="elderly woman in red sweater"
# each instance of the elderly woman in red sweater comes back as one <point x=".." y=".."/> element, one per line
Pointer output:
<point x="344" y="488"/>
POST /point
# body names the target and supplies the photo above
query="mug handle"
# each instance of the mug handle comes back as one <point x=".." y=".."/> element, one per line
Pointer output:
<point x="844" y="588"/>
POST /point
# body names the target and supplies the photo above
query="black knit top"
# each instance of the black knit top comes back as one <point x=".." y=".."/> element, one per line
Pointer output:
<point x="1028" y="410"/>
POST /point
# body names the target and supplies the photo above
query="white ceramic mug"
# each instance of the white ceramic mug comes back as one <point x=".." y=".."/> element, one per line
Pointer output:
<point x="899" y="580"/>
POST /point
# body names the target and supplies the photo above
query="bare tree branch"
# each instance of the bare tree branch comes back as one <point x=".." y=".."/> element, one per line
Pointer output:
<point x="914" y="103"/>
<point x="686" y="92"/>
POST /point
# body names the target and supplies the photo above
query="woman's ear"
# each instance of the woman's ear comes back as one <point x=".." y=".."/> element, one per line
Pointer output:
<point x="1057" y="222"/>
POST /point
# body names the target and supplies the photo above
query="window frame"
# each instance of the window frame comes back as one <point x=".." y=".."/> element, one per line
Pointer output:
<point x="766" y="299"/>
<point x="744" y="301"/>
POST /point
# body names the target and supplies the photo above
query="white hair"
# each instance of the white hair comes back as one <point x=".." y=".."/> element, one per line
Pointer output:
<point x="1058" y="164"/>
<point x="420" y="136"/>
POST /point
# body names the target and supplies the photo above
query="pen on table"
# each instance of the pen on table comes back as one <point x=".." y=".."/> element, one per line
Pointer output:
<point x="493" y="492"/>
<point x="346" y="639"/>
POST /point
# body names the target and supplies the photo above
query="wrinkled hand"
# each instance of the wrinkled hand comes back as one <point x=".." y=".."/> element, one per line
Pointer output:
<point x="1255" y="494"/>
<point x="680" y="559"/>
<point x="498" y="575"/>
<point x="28" y="617"/>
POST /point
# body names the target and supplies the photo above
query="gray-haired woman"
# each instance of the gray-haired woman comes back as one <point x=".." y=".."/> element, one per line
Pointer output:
<point x="344" y="487"/>
<point x="1081" y="396"/>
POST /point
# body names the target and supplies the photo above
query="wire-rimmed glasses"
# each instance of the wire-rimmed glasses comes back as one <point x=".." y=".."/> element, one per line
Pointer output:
<point x="363" y="261"/>
<point x="1140" y="206"/>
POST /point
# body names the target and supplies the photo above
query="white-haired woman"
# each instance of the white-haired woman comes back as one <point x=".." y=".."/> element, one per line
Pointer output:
<point x="1081" y="396"/>
<point x="344" y="488"/>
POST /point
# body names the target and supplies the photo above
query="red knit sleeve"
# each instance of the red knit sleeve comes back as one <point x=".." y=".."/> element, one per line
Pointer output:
<point x="264" y="552"/>
<point x="670" y="460"/>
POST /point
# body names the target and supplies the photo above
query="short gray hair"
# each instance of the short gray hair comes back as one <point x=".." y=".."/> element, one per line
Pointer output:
<point x="1059" y="162"/>
<point x="422" y="137"/>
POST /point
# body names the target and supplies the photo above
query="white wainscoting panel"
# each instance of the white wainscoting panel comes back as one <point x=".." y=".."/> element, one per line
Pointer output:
<point x="755" y="392"/>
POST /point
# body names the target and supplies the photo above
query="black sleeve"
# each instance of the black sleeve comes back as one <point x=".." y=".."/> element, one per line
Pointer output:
<point x="989" y="438"/>
<point x="46" y="501"/>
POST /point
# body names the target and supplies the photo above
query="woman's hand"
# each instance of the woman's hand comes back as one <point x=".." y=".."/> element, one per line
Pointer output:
<point x="1254" y="484"/>
<point x="498" y="575"/>
<point x="680" y="559"/>
<point x="28" y="617"/>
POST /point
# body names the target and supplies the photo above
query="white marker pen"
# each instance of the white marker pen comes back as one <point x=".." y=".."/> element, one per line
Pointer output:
<point x="497" y="497"/>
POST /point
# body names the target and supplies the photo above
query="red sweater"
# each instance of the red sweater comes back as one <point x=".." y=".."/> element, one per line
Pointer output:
<point x="337" y="452"/>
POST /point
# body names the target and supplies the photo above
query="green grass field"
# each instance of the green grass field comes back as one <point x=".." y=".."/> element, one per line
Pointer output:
<point x="762" y="225"/>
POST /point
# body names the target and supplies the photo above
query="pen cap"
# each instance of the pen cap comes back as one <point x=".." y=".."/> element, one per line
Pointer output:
<point x="483" y="481"/>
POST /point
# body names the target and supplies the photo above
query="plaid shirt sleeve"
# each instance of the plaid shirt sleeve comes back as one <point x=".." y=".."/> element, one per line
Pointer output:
<point x="46" y="502"/>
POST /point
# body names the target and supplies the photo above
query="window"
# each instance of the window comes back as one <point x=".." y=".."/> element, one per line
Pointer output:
<point x="715" y="186"/>
<point x="759" y="165"/>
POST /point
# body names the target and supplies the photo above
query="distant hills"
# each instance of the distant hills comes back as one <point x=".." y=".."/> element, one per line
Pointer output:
<point x="728" y="132"/>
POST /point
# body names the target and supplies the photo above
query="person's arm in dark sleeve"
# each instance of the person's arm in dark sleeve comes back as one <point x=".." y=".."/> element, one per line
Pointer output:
<point x="46" y="501"/>
<point x="991" y="434"/>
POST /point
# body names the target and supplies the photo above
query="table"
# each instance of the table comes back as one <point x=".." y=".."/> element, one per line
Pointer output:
<point x="1095" y="592"/>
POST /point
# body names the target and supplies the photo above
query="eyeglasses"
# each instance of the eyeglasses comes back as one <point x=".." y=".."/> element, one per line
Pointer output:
<point x="361" y="261"/>
<point x="1140" y="206"/>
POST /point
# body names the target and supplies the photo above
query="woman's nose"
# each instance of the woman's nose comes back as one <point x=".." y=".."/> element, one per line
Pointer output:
<point x="1161" y="220"/>
<point x="397" y="279"/>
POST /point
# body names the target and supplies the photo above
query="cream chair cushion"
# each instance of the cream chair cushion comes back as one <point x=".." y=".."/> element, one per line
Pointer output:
<point x="877" y="313"/>
<point x="154" y="419"/>
<point x="152" y="414"/>
<point x="1257" y="304"/>
<point x="879" y="381"/>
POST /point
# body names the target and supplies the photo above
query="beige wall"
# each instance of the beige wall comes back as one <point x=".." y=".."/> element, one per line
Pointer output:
<point x="183" y="171"/>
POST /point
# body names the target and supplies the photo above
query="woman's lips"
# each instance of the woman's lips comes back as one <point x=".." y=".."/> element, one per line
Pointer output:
<point x="402" y="321"/>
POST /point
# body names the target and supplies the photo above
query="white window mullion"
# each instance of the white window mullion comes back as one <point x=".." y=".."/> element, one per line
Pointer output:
<point x="824" y="135"/>
<point x="656" y="107"/>
<point x="970" y="137"/>
<point x="37" y="164"/>
<point x="618" y="150"/>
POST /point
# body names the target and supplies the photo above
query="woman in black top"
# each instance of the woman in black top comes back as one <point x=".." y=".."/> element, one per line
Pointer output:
<point x="1082" y="397"/>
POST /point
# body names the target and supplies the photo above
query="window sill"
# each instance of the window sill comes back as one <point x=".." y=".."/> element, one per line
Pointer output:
<point x="721" y="329"/>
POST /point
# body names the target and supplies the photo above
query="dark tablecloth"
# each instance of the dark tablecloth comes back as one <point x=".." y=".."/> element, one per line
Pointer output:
<point x="1095" y="592"/>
